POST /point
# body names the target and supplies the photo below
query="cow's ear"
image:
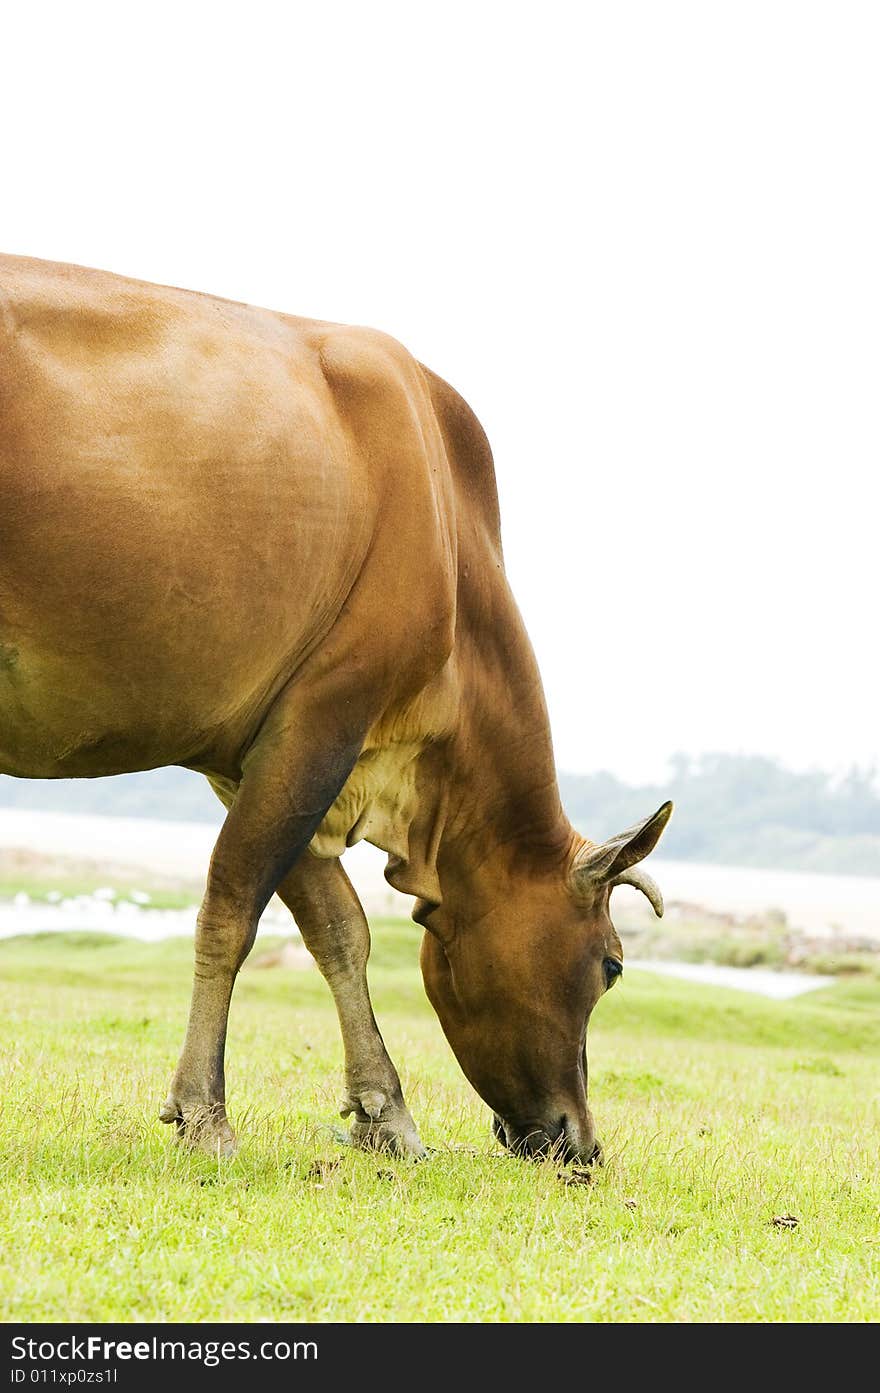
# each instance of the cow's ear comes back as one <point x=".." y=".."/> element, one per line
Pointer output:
<point x="611" y="862"/>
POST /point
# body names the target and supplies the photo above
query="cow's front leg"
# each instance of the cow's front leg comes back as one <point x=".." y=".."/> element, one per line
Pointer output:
<point x="196" y="1101"/>
<point x="289" y="780"/>
<point x="336" y="933"/>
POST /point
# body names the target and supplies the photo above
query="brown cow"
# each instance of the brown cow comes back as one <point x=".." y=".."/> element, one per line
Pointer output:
<point x="267" y="549"/>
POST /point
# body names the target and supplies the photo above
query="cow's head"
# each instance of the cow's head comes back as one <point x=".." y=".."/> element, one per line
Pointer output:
<point x="514" y="989"/>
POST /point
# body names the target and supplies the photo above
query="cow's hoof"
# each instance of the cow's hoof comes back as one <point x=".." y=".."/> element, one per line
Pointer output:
<point x="203" y="1127"/>
<point x="384" y="1124"/>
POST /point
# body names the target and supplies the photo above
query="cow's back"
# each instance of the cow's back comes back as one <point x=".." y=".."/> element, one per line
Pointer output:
<point x="189" y="492"/>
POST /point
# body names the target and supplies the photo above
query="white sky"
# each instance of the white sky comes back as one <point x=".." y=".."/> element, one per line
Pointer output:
<point x="642" y="239"/>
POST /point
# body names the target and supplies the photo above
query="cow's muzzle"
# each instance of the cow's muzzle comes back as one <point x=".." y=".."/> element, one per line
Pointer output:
<point x="561" y="1140"/>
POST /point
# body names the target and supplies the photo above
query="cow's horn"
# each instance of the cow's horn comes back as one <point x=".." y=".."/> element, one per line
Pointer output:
<point x="640" y="880"/>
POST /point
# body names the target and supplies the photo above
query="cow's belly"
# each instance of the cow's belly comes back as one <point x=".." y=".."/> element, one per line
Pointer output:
<point x="64" y="718"/>
<point x="115" y="661"/>
<point x="112" y="664"/>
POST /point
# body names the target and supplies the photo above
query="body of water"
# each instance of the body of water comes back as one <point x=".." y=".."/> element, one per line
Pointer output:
<point x="815" y="903"/>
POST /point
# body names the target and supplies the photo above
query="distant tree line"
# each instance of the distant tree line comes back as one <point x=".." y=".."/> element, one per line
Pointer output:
<point x="738" y="810"/>
<point x="743" y="810"/>
<point x="172" y="793"/>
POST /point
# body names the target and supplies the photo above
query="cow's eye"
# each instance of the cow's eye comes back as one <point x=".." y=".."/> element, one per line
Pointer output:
<point x="612" y="969"/>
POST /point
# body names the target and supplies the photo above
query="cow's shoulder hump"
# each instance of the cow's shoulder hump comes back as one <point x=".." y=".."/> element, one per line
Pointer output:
<point x="468" y="450"/>
<point x="363" y="361"/>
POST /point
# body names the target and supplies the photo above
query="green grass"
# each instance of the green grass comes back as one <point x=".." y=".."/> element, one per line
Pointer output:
<point x="719" y="1112"/>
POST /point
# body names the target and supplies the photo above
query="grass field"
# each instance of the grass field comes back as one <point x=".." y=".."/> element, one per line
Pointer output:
<point x="720" y="1113"/>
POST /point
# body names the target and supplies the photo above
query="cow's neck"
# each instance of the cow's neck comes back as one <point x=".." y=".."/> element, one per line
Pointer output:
<point x="460" y="788"/>
<point x="488" y="805"/>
